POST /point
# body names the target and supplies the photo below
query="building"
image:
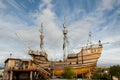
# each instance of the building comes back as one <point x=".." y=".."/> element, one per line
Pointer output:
<point x="18" y="69"/>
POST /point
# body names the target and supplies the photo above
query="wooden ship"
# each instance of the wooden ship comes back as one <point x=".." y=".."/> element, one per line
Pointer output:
<point x="82" y="63"/>
<point x="40" y="68"/>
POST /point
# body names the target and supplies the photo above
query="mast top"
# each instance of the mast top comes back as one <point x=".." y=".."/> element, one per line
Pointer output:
<point x="89" y="41"/>
<point x="65" y="29"/>
<point x="64" y="25"/>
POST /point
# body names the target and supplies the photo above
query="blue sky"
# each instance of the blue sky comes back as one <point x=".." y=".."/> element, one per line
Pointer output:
<point x="101" y="17"/>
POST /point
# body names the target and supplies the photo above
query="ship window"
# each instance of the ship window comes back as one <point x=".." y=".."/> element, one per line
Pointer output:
<point x="24" y="76"/>
<point x="18" y="64"/>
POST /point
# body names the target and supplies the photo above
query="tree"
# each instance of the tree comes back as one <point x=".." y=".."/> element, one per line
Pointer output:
<point x="100" y="74"/>
<point x="115" y="71"/>
<point x="68" y="73"/>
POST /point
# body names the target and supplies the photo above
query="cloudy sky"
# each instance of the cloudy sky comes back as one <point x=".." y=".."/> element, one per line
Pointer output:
<point x="24" y="17"/>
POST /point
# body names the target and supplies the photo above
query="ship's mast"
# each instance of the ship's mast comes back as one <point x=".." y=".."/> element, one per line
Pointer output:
<point x="41" y="37"/>
<point x="64" y="39"/>
<point x="89" y="41"/>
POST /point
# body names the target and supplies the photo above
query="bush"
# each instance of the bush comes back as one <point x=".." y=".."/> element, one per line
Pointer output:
<point x="68" y="73"/>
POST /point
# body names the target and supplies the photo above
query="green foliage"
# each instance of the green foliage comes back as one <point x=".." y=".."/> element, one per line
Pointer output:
<point x="68" y="73"/>
<point x="115" y="71"/>
<point x="99" y="74"/>
<point x="102" y="75"/>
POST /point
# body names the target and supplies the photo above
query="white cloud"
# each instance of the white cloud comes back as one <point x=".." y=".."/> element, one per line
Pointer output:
<point x="110" y="56"/>
<point x="77" y="31"/>
<point x="107" y="33"/>
<point x="107" y="5"/>
<point x="10" y="24"/>
<point x="52" y="33"/>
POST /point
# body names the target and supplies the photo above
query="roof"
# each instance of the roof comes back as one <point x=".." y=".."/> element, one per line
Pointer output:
<point x="26" y="60"/>
<point x="15" y="59"/>
<point x="11" y="59"/>
<point x="72" y="55"/>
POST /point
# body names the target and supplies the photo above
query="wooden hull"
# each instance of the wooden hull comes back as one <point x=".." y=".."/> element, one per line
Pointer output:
<point x="77" y="70"/>
<point x="82" y="64"/>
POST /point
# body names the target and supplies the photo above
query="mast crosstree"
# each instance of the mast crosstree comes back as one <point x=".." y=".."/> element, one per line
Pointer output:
<point x="41" y="37"/>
